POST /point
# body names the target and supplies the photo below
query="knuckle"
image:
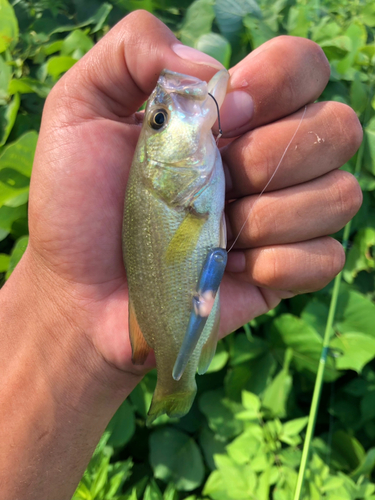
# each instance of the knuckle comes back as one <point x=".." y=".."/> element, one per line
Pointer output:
<point x="347" y="193"/>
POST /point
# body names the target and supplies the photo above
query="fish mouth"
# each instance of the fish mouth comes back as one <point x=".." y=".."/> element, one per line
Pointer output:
<point x="186" y="85"/>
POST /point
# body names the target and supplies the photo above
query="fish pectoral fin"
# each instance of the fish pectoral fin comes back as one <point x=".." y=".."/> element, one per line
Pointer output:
<point x="209" y="348"/>
<point x="185" y="238"/>
<point x="202" y="304"/>
<point x="140" y="348"/>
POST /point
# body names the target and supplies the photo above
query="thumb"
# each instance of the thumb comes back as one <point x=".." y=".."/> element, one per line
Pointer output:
<point x="115" y="77"/>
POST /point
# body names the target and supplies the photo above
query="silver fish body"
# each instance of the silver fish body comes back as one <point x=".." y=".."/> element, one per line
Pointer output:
<point x="173" y="219"/>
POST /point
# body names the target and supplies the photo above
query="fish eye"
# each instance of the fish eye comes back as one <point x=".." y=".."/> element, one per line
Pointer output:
<point x="158" y="118"/>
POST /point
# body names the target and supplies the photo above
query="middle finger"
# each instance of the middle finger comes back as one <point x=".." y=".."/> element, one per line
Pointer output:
<point x="310" y="210"/>
<point x="329" y="135"/>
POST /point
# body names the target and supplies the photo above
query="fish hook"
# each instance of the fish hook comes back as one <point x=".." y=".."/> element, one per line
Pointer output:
<point x="218" y="118"/>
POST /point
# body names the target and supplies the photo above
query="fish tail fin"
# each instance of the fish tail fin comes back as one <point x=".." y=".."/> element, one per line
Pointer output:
<point x="174" y="404"/>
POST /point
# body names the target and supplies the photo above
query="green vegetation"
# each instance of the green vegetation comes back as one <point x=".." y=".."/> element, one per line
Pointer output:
<point x="243" y="438"/>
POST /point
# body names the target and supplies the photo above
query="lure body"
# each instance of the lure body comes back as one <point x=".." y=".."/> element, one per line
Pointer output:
<point x="173" y="222"/>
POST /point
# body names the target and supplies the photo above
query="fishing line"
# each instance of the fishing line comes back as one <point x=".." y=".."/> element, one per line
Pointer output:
<point x="272" y="176"/>
<point x="218" y="118"/>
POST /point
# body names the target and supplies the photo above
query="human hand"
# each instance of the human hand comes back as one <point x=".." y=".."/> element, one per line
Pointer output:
<point x="89" y="132"/>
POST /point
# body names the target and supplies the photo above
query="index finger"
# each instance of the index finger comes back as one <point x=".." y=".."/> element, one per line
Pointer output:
<point x="275" y="80"/>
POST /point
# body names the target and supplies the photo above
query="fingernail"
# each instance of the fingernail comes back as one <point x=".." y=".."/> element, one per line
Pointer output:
<point x="236" y="262"/>
<point x="237" y="110"/>
<point x="195" y="56"/>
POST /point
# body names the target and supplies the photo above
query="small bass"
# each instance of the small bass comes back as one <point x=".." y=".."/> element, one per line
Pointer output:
<point x="174" y="236"/>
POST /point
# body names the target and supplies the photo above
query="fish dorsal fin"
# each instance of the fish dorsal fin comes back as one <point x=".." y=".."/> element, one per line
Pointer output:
<point x="140" y="348"/>
<point x="185" y="238"/>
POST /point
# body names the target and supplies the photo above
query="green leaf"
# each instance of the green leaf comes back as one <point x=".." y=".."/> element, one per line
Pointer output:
<point x="325" y="30"/>
<point x="230" y="13"/>
<point x="215" y="487"/>
<point x="101" y="476"/>
<point x="258" y="31"/>
<point x="239" y="480"/>
<point x="8" y="26"/>
<point x="28" y="85"/>
<point x="16" y="162"/>
<point x="358" y="36"/>
<point x="276" y="395"/>
<point x="299" y="20"/>
<point x="349" y="448"/>
<point x="358" y="95"/>
<point x="366" y="466"/>
<point x="244" y="447"/>
<point x="211" y="444"/>
<point x="174" y="456"/>
<point x="8" y="114"/>
<point x="117" y="475"/>
<point x="220" y="359"/>
<point x="16" y="254"/>
<point x="369" y="133"/>
<point x="197" y="21"/>
<point x="360" y="257"/>
<point x="141" y="396"/>
<point x="295" y="426"/>
<point x="358" y="313"/>
<point x="336" y="48"/>
<point x="122" y="425"/>
<point x="357" y="348"/>
<point x="368" y="14"/>
<point x="76" y="44"/>
<point x="219" y="415"/>
<point x="4" y="262"/>
<point x="315" y="313"/>
<point x="99" y="18"/>
<point x="242" y="349"/>
<point x="305" y="342"/>
<point x="5" y="76"/>
<point x="8" y="216"/>
<point x="59" y="64"/>
<point x="152" y="492"/>
<point x="170" y="492"/>
<point x="215" y="46"/>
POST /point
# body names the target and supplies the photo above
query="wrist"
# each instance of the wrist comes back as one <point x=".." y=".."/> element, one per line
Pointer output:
<point x="48" y="331"/>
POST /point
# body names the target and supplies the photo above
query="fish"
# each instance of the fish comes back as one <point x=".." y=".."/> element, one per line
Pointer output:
<point x="174" y="236"/>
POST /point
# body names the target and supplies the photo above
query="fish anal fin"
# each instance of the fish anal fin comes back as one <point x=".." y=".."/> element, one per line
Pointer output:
<point x="209" y="348"/>
<point x="185" y="238"/>
<point x="140" y="348"/>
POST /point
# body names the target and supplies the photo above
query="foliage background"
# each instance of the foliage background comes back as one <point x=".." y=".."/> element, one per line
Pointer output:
<point x="242" y="438"/>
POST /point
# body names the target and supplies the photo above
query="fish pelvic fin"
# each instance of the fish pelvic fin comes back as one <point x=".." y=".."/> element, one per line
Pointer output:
<point x="174" y="404"/>
<point x="185" y="238"/>
<point x="209" y="348"/>
<point x="140" y="348"/>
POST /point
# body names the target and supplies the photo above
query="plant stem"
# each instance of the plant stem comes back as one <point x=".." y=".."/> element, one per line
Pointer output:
<point x="323" y="358"/>
<point x="318" y="383"/>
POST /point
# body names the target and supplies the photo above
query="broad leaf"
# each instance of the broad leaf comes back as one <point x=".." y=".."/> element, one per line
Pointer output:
<point x="8" y="25"/>
<point x="174" y="456"/>
<point x="197" y="22"/>
<point x="357" y="350"/>
<point x="122" y="425"/>
<point x="216" y="46"/>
